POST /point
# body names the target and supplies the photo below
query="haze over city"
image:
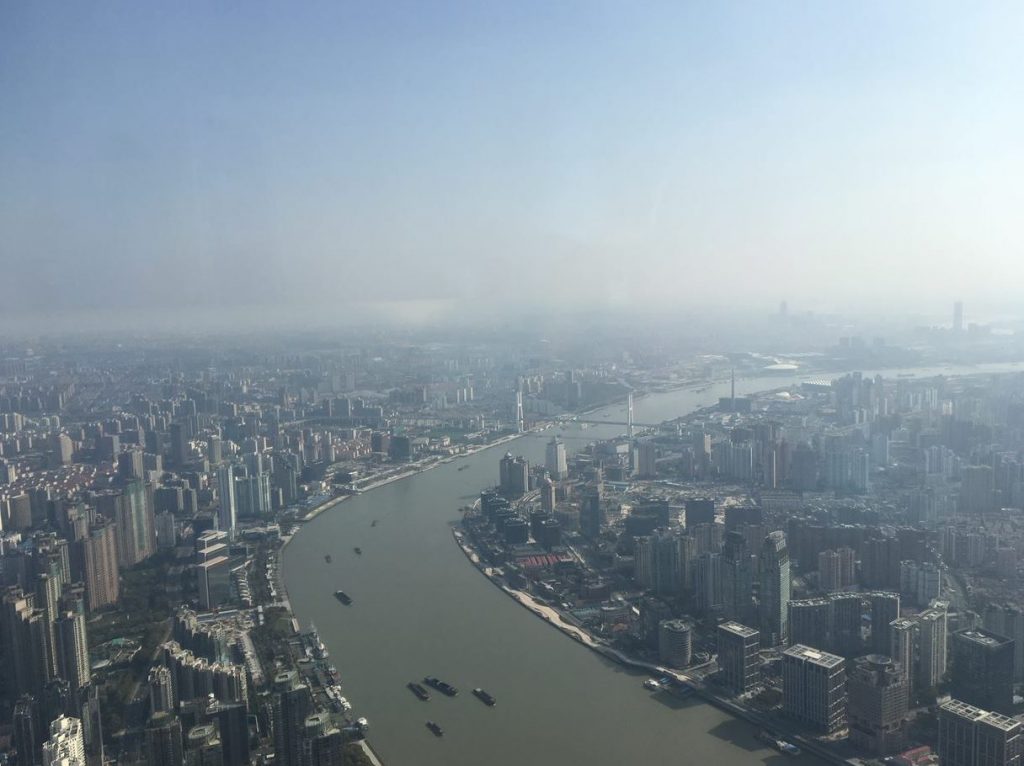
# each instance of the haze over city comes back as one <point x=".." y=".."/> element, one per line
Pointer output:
<point x="456" y="383"/>
<point x="251" y="160"/>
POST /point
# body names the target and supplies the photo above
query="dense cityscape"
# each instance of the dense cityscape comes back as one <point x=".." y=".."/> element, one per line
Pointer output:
<point x="588" y="383"/>
<point x="832" y="557"/>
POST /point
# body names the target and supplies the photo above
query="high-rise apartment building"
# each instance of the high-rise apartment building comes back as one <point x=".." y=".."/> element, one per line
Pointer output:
<point x="65" y="747"/>
<point x="99" y="554"/>
<point x="885" y="607"/>
<point x="163" y="741"/>
<point x="292" y="704"/>
<point x="810" y="622"/>
<point x="661" y="562"/>
<point x="131" y="508"/>
<point x="708" y="583"/>
<point x="828" y="571"/>
<point x="72" y="650"/>
<point x="903" y="649"/>
<point x="514" y="476"/>
<point x="932" y="634"/>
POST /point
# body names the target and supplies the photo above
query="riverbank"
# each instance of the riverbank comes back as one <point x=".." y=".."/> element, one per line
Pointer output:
<point x="579" y="634"/>
<point x="419" y="467"/>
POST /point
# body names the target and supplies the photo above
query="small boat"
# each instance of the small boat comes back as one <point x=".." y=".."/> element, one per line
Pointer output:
<point x="327" y="558"/>
<point x="418" y="690"/>
<point x="441" y="686"/>
<point x="437" y="730"/>
<point x="359" y="551"/>
<point x="484" y="697"/>
<point x="463" y="467"/>
<point x="373" y="523"/>
<point x="787" y="748"/>
<point x="343" y="597"/>
<point x="652" y="684"/>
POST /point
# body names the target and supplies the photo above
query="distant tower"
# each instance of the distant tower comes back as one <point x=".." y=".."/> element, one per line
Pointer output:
<point x="227" y="509"/>
<point x="629" y="415"/>
<point x="520" y="426"/>
<point x="958" y="317"/>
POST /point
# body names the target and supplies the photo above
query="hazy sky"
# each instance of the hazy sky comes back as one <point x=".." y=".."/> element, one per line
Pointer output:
<point x="177" y="156"/>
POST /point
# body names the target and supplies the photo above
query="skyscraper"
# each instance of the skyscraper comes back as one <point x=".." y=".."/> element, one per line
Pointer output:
<point x="810" y="622"/>
<point x="164" y="745"/>
<point x="28" y="730"/>
<point x="660" y="562"/>
<point x="322" y="741"/>
<point x="814" y="687"/>
<point x="932" y="633"/>
<point x="514" y="475"/>
<point x="99" y="548"/>
<point x="738" y="658"/>
<point x="828" y="571"/>
<point x="737" y="578"/>
<point x="48" y="598"/>
<point x="132" y="512"/>
<point x="291" y="706"/>
<point x="180" y="447"/>
<point x="885" y="607"/>
<point x="161" y="690"/>
<point x="646" y="459"/>
<point x="555" y="460"/>
<point x="847" y="613"/>
<point x="879" y="698"/>
<point x="970" y="736"/>
<point x="203" y="746"/>
<point x="1008" y="620"/>
<point x="65" y="747"/>
<point x="227" y="507"/>
<point x="983" y="670"/>
<point x="700" y="511"/>
<point x="774" y="592"/>
<point x="708" y="586"/>
<point x="591" y="512"/>
<point x="25" y="636"/>
<point x="903" y="649"/>
<point x="73" y="651"/>
<point x="234" y="732"/>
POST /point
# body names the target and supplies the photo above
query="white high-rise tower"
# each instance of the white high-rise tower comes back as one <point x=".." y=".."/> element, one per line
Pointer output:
<point x="227" y="512"/>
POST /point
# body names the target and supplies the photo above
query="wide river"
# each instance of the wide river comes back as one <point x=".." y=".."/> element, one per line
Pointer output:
<point x="420" y="608"/>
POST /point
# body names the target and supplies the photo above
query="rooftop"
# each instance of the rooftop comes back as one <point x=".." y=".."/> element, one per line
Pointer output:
<point x="738" y="629"/>
<point x="974" y="714"/>
<point x="983" y="638"/>
<point x="816" y="656"/>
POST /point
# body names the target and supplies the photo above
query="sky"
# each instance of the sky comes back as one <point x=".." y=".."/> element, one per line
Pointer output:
<point x="207" y="159"/>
